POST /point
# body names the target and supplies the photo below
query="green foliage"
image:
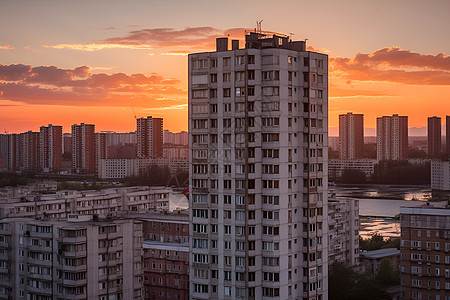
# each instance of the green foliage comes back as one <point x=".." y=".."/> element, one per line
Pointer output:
<point x="341" y="280"/>
<point x="12" y="179"/>
<point x="416" y="153"/>
<point x="347" y="284"/>
<point x="402" y="172"/>
<point x="376" y="241"/>
<point x="352" y="176"/>
<point x="392" y="243"/>
<point x="81" y="186"/>
<point x="159" y="176"/>
<point x="368" y="288"/>
<point x="387" y="275"/>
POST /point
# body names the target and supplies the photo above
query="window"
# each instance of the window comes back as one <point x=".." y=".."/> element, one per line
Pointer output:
<point x="227" y="92"/>
<point x="271" y="91"/>
<point x="200" y="63"/>
<point x="198" y="94"/>
<point x="226" y="61"/>
<point x="226" y="77"/>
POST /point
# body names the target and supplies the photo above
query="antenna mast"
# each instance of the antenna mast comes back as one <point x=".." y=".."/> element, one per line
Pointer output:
<point x="259" y="27"/>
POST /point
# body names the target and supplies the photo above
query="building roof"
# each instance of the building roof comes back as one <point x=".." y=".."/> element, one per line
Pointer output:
<point x="381" y="253"/>
<point x="425" y="210"/>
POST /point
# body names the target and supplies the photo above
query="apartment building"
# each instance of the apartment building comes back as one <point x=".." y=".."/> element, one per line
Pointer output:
<point x="392" y="137"/>
<point x="176" y="138"/>
<point x="149" y="137"/>
<point x="4" y="153"/>
<point x="51" y="147"/>
<point x="337" y="166"/>
<point x="434" y="137"/>
<point x="343" y="231"/>
<point x="351" y="136"/>
<point x="83" y="148"/>
<point x="103" y="203"/>
<point x="166" y="255"/>
<point x="447" y="135"/>
<point x="258" y="170"/>
<point x="440" y="175"/>
<point x="125" y="167"/>
<point x="74" y="259"/>
<point x="425" y="252"/>
<point x="166" y="270"/>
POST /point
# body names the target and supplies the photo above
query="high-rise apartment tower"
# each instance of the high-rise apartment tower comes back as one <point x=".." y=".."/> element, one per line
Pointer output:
<point x="447" y="135"/>
<point x="351" y="136"/>
<point x="83" y="148"/>
<point x="150" y="137"/>
<point x="51" y="147"/>
<point x="392" y="137"/>
<point x="434" y="137"/>
<point x="258" y="170"/>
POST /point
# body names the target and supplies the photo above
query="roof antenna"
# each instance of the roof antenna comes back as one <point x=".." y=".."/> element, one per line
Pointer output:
<point x="258" y="26"/>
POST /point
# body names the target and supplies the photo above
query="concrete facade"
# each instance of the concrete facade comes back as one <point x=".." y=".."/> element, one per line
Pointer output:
<point x="392" y="137"/>
<point x="343" y="231"/>
<point x="72" y="259"/>
<point x="425" y="252"/>
<point x="434" y="137"/>
<point x="258" y="167"/>
<point x="351" y="136"/>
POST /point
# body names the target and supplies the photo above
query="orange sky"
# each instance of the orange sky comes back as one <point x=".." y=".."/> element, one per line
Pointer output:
<point x="70" y="62"/>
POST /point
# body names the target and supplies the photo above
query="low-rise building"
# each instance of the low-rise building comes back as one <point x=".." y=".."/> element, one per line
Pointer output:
<point x="167" y="227"/>
<point x="343" y="231"/>
<point x="103" y="203"/>
<point x="166" y="255"/>
<point x="425" y="252"/>
<point x="78" y="258"/>
<point x="337" y="166"/>
<point x="121" y="168"/>
<point x="166" y="270"/>
<point x="369" y="261"/>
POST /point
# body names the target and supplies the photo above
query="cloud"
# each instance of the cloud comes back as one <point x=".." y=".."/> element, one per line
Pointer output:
<point x="190" y="38"/>
<point x="394" y="65"/>
<point x="337" y="92"/>
<point x="7" y="47"/>
<point x="78" y="86"/>
<point x="171" y="107"/>
<point x="98" y="46"/>
<point x="320" y="50"/>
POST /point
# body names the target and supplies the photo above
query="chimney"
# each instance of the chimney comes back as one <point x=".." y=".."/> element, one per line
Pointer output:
<point x="234" y="44"/>
<point x="221" y="44"/>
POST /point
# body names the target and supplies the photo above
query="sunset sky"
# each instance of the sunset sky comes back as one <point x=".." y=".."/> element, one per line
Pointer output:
<point x="102" y="62"/>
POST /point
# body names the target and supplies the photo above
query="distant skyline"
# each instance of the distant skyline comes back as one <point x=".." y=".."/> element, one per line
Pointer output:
<point x="103" y="62"/>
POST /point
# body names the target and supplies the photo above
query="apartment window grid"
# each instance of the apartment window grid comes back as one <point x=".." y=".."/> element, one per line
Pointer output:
<point x="270" y="118"/>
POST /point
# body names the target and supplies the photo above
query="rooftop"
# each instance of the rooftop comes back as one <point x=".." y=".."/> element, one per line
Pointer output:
<point x="381" y="253"/>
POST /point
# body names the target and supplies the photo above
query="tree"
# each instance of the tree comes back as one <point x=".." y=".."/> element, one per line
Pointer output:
<point x="341" y="279"/>
<point x="353" y="176"/>
<point x="387" y="275"/>
<point x="367" y="288"/>
<point x="346" y="284"/>
<point x="375" y="242"/>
